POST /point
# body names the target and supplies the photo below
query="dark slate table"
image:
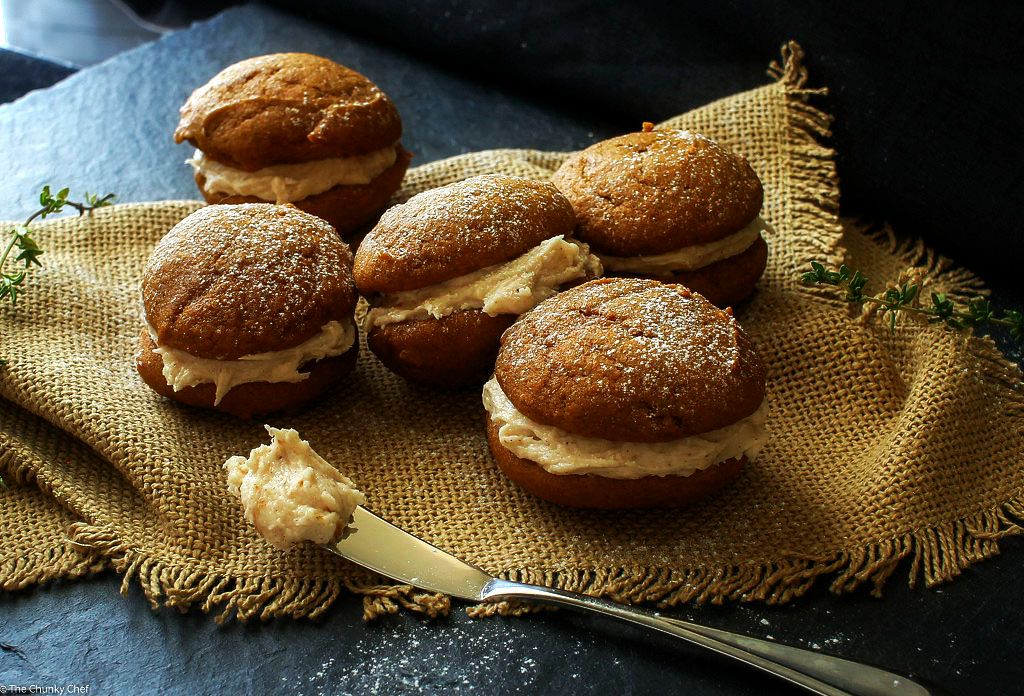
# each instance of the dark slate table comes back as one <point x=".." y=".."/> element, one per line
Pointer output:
<point x="108" y="128"/>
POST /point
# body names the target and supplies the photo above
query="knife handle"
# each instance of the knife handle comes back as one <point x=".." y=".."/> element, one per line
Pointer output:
<point x="814" y="671"/>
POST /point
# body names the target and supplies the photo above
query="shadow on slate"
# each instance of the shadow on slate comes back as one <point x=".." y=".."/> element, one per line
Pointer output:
<point x="965" y="636"/>
<point x="23" y="73"/>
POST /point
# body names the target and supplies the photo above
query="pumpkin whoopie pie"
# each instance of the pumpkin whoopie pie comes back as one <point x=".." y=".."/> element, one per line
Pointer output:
<point x="671" y="205"/>
<point x="447" y="272"/>
<point x="248" y="309"/>
<point x="296" y="128"/>
<point x="624" y="393"/>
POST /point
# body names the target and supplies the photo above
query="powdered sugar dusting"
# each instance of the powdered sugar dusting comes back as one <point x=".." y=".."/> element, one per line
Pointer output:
<point x="453" y="230"/>
<point x="654" y="356"/>
<point x="244" y="271"/>
<point x="452" y="657"/>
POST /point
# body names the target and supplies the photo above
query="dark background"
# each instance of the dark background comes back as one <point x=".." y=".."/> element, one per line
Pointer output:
<point x="927" y="96"/>
<point x="928" y="134"/>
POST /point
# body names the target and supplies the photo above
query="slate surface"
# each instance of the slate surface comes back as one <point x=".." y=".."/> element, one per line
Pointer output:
<point x="964" y="636"/>
<point x="109" y="127"/>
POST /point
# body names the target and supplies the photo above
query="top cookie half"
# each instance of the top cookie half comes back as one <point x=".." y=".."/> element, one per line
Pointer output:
<point x="657" y="191"/>
<point x="450" y="231"/>
<point x="632" y="360"/>
<point x="234" y="280"/>
<point x="285" y="108"/>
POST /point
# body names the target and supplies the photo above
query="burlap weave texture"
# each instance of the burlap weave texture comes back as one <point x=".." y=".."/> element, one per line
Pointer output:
<point x="874" y="453"/>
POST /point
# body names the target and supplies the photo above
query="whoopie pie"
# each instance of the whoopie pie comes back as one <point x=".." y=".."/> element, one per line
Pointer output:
<point x="623" y="393"/>
<point x="248" y="309"/>
<point x="296" y="128"/>
<point x="447" y="272"/>
<point x="671" y="205"/>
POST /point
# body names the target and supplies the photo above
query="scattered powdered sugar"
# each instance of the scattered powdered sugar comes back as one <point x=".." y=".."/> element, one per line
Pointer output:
<point x="490" y="205"/>
<point x="675" y="329"/>
<point x="703" y="173"/>
<point x="456" y="656"/>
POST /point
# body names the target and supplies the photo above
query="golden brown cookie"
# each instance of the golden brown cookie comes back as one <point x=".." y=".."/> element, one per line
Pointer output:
<point x="245" y="280"/>
<point x="661" y="191"/>
<point x="625" y="368"/>
<point x="295" y="108"/>
<point x="447" y="236"/>
<point x="453" y="230"/>
<point x="287" y="107"/>
<point x="453" y="351"/>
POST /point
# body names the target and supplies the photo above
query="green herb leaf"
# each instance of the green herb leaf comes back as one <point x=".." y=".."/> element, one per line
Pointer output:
<point x="855" y="289"/>
<point x="1015" y="320"/>
<point x="904" y="299"/>
<point x="28" y="250"/>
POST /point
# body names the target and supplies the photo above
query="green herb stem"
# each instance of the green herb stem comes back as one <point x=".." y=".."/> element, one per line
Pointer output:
<point x="963" y="316"/>
<point x="7" y="251"/>
<point x="905" y="298"/>
<point x="11" y="283"/>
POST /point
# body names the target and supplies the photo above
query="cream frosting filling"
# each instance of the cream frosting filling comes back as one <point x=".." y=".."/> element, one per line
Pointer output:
<point x="285" y="183"/>
<point x="290" y="493"/>
<point x="507" y="288"/>
<point x="692" y="257"/>
<point x="182" y="369"/>
<point x="560" y="452"/>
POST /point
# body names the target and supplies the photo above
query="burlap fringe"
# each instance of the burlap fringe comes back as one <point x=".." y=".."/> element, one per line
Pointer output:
<point x="937" y="555"/>
<point x="64" y="562"/>
<point x="937" y="270"/>
<point x="61" y="563"/>
<point x="264" y="597"/>
<point x="812" y="162"/>
<point x="388" y="599"/>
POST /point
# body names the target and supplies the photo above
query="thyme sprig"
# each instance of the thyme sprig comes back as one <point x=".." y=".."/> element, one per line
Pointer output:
<point x="906" y="297"/>
<point x="29" y="251"/>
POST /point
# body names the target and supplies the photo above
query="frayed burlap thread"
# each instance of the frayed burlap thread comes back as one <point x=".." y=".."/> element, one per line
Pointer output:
<point x="873" y="457"/>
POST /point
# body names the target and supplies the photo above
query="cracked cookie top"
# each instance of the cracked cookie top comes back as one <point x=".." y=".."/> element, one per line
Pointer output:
<point x="658" y="191"/>
<point x="632" y="360"/>
<point x="234" y="280"/>
<point x="285" y="108"/>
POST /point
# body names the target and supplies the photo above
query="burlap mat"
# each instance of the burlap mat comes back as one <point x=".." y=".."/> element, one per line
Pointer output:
<point x="875" y="451"/>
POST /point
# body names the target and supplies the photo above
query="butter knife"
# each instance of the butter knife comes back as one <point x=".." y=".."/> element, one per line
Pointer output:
<point x="380" y="546"/>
